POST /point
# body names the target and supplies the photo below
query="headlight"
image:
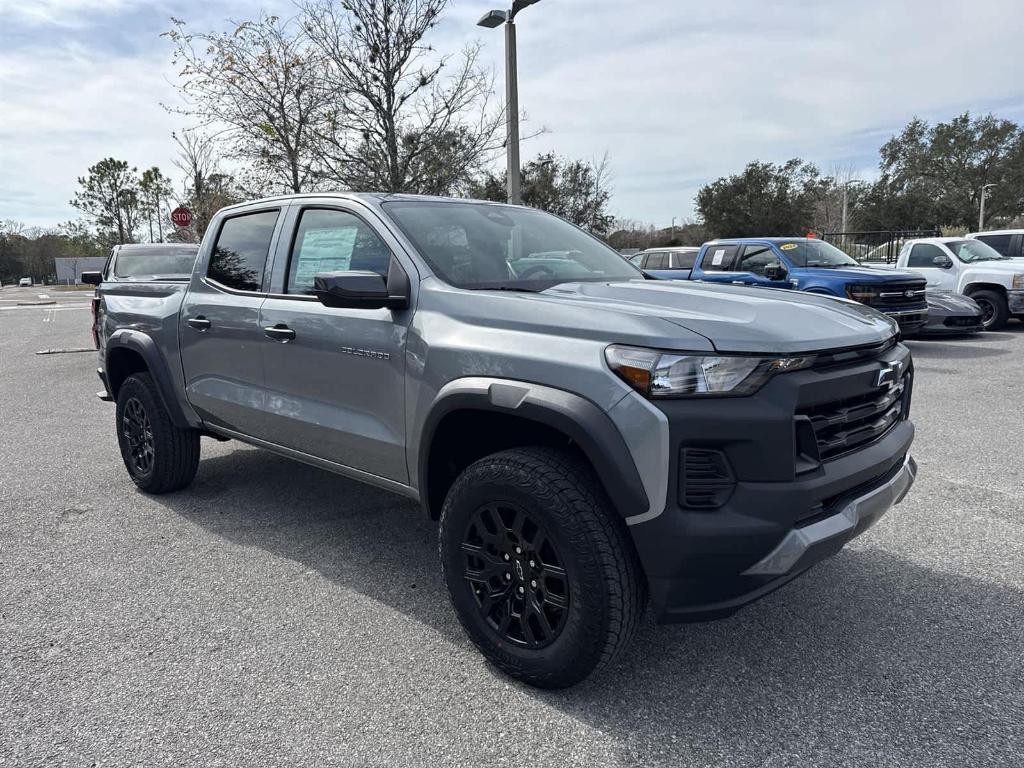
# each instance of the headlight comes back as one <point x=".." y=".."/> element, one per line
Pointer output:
<point x="677" y="374"/>
<point x="1018" y="282"/>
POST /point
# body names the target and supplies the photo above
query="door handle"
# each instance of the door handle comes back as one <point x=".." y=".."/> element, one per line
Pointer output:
<point x="200" y="323"/>
<point x="279" y="332"/>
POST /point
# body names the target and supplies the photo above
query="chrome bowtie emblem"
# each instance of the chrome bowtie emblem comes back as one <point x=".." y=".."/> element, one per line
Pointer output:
<point x="889" y="374"/>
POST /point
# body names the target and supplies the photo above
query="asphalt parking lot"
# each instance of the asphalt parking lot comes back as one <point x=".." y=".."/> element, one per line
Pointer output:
<point x="273" y="614"/>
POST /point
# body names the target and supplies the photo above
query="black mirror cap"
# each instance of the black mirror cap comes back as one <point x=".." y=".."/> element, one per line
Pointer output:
<point x="942" y="262"/>
<point x="363" y="290"/>
<point x="776" y="272"/>
<point x="92" y="278"/>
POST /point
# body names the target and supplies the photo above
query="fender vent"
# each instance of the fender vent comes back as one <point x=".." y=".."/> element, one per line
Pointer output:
<point x="706" y="479"/>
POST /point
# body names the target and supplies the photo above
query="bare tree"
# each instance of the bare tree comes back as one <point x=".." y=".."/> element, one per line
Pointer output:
<point x="207" y="189"/>
<point x="400" y="121"/>
<point x="260" y="87"/>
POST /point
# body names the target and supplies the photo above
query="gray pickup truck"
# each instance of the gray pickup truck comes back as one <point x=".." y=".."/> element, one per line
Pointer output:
<point x="587" y="439"/>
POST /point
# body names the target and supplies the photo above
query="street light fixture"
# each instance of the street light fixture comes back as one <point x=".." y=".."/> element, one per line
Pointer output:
<point x="493" y="20"/>
<point x="981" y="212"/>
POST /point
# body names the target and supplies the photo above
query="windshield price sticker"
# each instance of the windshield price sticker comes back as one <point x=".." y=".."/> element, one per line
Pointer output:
<point x="788" y="246"/>
<point x="716" y="259"/>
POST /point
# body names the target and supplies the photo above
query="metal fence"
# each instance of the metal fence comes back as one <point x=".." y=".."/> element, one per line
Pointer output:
<point x="881" y="246"/>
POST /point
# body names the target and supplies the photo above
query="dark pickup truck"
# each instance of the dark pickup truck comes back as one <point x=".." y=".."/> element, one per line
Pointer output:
<point x="588" y="440"/>
<point x="811" y="265"/>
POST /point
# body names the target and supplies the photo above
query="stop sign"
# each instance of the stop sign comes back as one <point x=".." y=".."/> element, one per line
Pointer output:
<point x="181" y="216"/>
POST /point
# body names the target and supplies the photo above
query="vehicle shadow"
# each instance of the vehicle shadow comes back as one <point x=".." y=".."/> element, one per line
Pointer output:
<point x="869" y="648"/>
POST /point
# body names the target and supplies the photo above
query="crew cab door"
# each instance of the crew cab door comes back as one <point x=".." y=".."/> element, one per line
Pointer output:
<point x="336" y="377"/>
<point x="219" y="332"/>
<point x="925" y="259"/>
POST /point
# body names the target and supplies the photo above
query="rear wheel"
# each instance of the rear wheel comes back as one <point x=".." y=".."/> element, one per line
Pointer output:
<point x="159" y="456"/>
<point x="994" y="309"/>
<point x="541" y="571"/>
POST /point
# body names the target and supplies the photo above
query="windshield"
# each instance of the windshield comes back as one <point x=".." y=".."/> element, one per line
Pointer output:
<point x="155" y="261"/>
<point x="478" y="246"/>
<point x="970" y="251"/>
<point x="815" y="253"/>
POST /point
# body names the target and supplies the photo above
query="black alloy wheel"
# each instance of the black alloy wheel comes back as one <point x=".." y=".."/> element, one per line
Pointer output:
<point x="516" y="576"/>
<point x="138" y="431"/>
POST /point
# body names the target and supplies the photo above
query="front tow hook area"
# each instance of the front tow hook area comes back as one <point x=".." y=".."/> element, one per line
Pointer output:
<point x="856" y="517"/>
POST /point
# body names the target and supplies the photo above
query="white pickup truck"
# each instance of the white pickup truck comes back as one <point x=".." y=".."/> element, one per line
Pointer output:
<point x="970" y="268"/>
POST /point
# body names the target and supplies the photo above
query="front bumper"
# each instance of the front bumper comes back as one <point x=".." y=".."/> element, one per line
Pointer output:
<point x="909" y="321"/>
<point x="782" y="513"/>
<point x="1015" y="302"/>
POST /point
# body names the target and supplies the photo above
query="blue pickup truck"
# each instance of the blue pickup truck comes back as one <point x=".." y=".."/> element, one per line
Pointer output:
<point x="808" y="265"/>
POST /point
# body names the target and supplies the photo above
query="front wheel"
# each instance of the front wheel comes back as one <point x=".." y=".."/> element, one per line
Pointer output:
<point x="994" y="309"/>
<point x="540" y="569"/>
<point x="159" y="456"/>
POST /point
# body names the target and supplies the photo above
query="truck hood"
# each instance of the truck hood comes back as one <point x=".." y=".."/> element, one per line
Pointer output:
<point x="868" y="274"/>
<point x="738" y="318"/>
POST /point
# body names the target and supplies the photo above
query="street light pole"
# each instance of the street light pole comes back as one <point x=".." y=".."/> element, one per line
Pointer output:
<point x="493" y="19"/>
<point x="981" y="212"/>
<point x="512" y="105"/>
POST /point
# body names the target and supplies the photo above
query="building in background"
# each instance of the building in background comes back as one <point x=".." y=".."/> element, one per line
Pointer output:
<point x="70" y="268"/>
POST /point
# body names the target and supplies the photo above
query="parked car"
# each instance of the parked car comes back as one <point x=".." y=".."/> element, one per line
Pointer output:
<point x="951" y="315"/>
<point x="970" y="268"/>
<point x="664" y="263"/>
<point x="1009" y="242"/>
<point x="25" y="282"/>
<point x="814" y="266"/>
<point x="584" y="436"/>
<point x="146" y="262"/>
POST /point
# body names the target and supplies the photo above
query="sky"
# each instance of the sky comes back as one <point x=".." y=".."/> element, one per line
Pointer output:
<point x="677" y="92"/>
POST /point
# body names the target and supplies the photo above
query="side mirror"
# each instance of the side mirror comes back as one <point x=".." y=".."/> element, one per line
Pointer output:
<point x="942" y="262"/>
<point x="776" y="272"/>
<point x="92" y="278"/>
<point x="363" y="290"/>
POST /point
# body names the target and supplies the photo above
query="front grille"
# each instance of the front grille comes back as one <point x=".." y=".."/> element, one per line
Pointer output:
<point x="905" y="294"/>
<point x="707" y="480"/>
<point x="962" y="322"/>
<point x="843" y="425"/>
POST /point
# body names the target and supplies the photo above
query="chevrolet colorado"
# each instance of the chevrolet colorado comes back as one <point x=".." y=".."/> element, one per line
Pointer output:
<point x="587" y="439"/>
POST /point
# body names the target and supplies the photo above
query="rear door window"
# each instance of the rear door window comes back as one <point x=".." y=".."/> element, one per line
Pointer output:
<point x="720" y="258"/>
<point x="1000" y="242"/>
<point x="657" y="261"/>
<point x="240" y="254"/>
<point x="684" y="259"/>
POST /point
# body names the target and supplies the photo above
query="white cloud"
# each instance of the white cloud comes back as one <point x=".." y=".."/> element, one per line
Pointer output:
<point x="64" y="13"/>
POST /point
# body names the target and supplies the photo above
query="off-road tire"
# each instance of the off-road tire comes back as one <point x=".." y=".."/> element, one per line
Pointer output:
<point x="607" y="589"/>
<point x="174" y="452"/>
<point x="1000" y="311"/>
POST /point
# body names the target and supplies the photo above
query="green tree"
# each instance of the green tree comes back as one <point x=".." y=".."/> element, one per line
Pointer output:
<point x="109" y="195"/>
<point x="764" y="200"/>
<point x="576" y="190"/>
<point x="154" y="190"/>
<point x="933" y="175"/>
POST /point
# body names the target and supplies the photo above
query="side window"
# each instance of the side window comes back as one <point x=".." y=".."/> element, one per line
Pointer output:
<point x="330" y="240"/>
<point x="684" y="259"/>
<point x="1000" y="242"/>
<point x="923" y="255"/>
<point x="240" y="253"/>
<point x="657" y="261"/>
<point x="755" y="258"/>
<point x="719" y="258"/>
<point x="637" y="260"/>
